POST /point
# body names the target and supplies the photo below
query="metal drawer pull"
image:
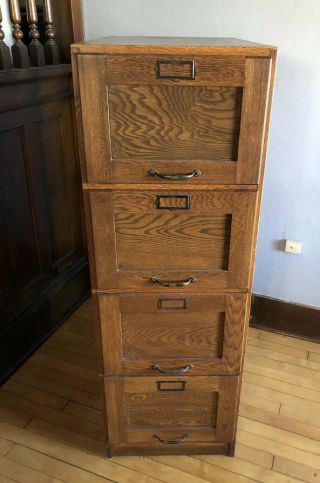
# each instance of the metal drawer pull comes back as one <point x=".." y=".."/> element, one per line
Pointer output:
<point x="172" y="441"/>
<point x="177" y="283"/>
<point x="173" y="177"/>
<point x="174" y="372"/>
<point x="188" y="67"/>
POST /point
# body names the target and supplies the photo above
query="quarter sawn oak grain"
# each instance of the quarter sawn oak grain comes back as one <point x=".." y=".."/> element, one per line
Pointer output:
<point x="173" y="139"/>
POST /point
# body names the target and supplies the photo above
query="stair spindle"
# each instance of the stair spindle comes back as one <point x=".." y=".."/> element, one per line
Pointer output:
<point x="50" y="47"/>
<point x="5" y="57"/>
<point x="36" y="50"/>
<point x="19" y="49"/>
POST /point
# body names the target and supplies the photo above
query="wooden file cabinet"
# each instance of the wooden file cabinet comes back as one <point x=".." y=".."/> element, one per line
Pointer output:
<point x="173" y="141"/>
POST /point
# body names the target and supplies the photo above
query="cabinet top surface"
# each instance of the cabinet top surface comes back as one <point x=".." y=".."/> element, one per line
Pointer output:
<point x="171" y="44"/>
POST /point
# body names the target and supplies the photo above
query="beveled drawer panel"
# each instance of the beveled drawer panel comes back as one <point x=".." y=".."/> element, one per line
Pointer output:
<point x="160" y="412"/>
<point x="185" y="334"/>
<point x="175" y="116"/>
<point x="160" y="240"/>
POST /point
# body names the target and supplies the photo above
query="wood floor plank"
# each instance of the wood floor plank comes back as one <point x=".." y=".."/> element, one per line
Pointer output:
<point x="312" y="356"/>
<point x="253" y="455"/>
<point x="279" y="356"/>
<point x="50" y="415"/>
<point x="33" y="394"/>
<point x="265" y="382"/>
<point x="157" y="469"/>
<point x="67" y="437"/>
<point x="290" y="341"/>
<point x="72" y="347"/>
<point x="281" y="422"/>
<point x="85" y="412"/>
<point x="19" y="472"/>
<point x="53" y="374"/>
<point x="64" y="367"/>
<point x="283" y="349"/>
<point x="281" y="435"/>
<point x="302" y="414"/>
<point x="51" y="466"/>
<point x="278" y="448"/>
<point x="5" y="479"/>
<point x="12" y="416"/>
<point x="94" y="464"/>
<point x="253" y="332"/>
<point x="201" y="469"/>
<point x="260" y="402"/>
<point x="5" y="446"/>
<point x="294" y="469"/>
<point x="249" y="470"/>
<point x="80" y="326"/>
<point x="77" y="359"/>
<point x="274" y="395"/>
<point x="70" y="337"/>
<point x="51" y="421"/>
<point x="290" y="369"/>
<point x="34" y="379"/>
<point x="277" y="370"/>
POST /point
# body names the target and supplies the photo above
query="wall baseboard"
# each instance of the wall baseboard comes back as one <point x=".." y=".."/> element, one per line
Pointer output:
<point x="285" y="317"/>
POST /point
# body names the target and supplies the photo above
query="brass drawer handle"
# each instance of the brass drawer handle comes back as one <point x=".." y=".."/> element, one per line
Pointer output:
<point x="176" y="176"/>
<point x="190" y="72"/>
<point x="177" y="283"/>
<point x="172" y="441"/>
<point x="174" y="372"/>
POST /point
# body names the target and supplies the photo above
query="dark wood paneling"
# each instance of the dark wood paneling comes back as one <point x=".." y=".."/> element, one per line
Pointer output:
<point x="285" y="317"/>
<point x="41" y="229"/>
<point x="40" y="319"/>
<point x="68" y="21"/>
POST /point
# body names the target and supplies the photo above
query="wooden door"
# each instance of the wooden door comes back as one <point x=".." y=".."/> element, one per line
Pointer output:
<point x="198" y="119"/>
<point x="162" y="240"/>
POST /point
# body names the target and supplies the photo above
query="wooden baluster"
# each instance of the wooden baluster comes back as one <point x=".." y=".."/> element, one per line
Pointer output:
<point x="5" y="57"/>
<point x="36" y="50"/>
<point x="19" y="50"/>
<point x="50" y="47"/>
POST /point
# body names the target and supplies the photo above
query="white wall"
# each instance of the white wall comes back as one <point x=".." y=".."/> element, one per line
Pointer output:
<point x="291" y="203"/>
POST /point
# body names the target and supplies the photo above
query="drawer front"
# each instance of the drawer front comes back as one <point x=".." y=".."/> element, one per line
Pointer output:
<point x="161" y="412"/>
<point x="153" y="334"/>
<point x="162" y="119"/>
<point x="172" y="240"/>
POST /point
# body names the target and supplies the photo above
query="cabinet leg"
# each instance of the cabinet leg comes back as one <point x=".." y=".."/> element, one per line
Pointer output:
<point x="108" y="453"/>
<point x="231" y="448"/>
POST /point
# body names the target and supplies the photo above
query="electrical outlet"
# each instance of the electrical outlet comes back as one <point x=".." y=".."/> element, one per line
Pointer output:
<point x="293" y="246"/>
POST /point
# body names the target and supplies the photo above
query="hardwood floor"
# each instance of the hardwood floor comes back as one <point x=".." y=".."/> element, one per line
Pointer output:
<point x="51" y="427"/>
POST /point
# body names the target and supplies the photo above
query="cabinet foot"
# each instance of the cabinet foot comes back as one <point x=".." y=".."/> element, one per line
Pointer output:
<point x="231" y="448"/>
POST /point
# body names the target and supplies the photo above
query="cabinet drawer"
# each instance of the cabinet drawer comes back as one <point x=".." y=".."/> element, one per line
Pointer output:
<point x="198" y="119"/>
<point x="152" y="334"/>
<point x="172" y="240"/>
<point x="161" y="412"/>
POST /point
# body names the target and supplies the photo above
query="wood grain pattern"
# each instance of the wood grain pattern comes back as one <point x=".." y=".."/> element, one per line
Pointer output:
<point x="136" y="333"/>
<point x="95" y="141"/>
<point x="117" y="269"/>
<point x="170" y="413"/>
<point x="264" y="452"/>
<point x="253" y="120"/>
<point x="149" y="123"/>
<point x="141" y="227"/>
<point x="173" y="46"/>
<point x="203" y="241"/>
<point x="174" y="122"/>
<point x="210" y="70"/>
